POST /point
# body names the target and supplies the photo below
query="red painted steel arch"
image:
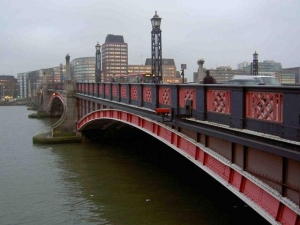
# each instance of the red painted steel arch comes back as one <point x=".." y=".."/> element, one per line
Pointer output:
<point x="263" y="199"/>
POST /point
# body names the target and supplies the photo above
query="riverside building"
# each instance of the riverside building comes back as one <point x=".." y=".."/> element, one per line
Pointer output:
<point x="83" y="69"/>
<point x="114" y="57"/>
<point x="8" y="86"/>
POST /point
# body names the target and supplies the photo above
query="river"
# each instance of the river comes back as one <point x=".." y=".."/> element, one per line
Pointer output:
<point x="126" y="182"/>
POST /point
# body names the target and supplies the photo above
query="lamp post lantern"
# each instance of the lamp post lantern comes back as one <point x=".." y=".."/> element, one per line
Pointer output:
<point x="98" y="63"/>
<point x="255" y="64"/>
<point x="156" y="50"/>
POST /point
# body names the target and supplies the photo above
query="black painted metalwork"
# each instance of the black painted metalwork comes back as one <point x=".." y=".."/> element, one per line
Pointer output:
<point x="255" y="63"/>
<point x="98" y="63"/>
<point x="156" y="50"/>
<point x="61" y="73"/>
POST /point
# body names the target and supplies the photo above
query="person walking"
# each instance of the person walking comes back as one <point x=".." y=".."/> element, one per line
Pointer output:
<point x="208" y="79"/>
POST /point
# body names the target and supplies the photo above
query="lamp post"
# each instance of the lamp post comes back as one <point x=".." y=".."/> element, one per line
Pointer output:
<point x="200" y="73"/>
<point x="156" y="51"/>
<point x="183" y="67"/>
<point x="98" y="63"/>
<point x="44" y="78"/>
<point x="61" y="72"/>
<point x="255" y="63"/>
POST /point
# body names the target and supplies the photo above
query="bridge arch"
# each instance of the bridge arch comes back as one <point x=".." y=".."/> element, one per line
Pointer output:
<point x="56" y="105"/>
<point x="258" y="195"/>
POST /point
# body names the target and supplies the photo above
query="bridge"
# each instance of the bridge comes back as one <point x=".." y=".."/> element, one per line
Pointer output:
<point x="247" y="138"/>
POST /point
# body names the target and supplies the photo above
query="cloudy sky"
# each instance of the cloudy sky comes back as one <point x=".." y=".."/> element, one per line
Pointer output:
<point x="38" y="34"/>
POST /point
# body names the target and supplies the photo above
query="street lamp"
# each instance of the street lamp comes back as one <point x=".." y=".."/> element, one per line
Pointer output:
<point x="255" y="63"/>
<point x="98" y="63"/>
<point x="183" y="67"/>
<point x="44" y="78"/>
<point x="61" y="73"/>
<point x="156" y="50"/>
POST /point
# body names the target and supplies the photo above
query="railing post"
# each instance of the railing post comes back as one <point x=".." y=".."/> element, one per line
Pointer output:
<point x="110" y="92"/>
<point x="91" y="90"/>
<point x="200" y="112"/>
<point x="175" y="98"/>
<point x="96" y="90"/>
<point x="291" y="115"/>
<point x="127" y="87"/>
<point x="118" y="97"/>
<point x="237" y="107"/>
<point x="155" y="96"/>
<point x="140" y="95"/>
<point x="101" y="88"/>
<point x="86" y="88"/>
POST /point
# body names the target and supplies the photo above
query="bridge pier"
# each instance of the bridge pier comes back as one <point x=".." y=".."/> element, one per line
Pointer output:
<point x="67" y="123"/>
<point x="44" y="100"/>
<point x="64" y="130"/>
<point x="40" y="103"/>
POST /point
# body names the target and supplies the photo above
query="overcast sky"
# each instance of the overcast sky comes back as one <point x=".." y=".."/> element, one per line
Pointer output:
<point x="38" y="34"/>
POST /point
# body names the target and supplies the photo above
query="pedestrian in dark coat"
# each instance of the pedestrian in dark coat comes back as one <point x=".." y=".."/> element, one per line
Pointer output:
<point x="208" y="79"/>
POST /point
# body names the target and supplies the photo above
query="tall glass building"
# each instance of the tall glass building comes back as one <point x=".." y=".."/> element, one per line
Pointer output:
<point x="83" y="69"/>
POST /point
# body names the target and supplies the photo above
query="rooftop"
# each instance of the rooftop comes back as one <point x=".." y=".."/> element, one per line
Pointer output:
<point x="114" y="38"/>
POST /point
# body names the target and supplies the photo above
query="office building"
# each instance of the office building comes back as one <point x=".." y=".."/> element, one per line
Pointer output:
<point x="242" y="65"/>
<point x="8" y="86"/>
<point x="265" y="66"/>
<point x="292" y="70"/>
<point x="169" y="74"/>
<point x="114" y="57"/>
<point x="140" y="69"/>
<point x="82" y="69"/>
<point x="22" y="81"/>
<point x="222" y="73"/>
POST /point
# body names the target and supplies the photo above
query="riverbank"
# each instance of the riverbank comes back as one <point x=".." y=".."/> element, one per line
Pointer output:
<point x="5" y="103"/>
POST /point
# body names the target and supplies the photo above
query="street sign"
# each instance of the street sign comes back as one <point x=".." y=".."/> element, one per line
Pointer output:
<point x="183" y="66"/>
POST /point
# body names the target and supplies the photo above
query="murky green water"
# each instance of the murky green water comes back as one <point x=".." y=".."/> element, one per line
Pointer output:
<point x="138" y="181"/>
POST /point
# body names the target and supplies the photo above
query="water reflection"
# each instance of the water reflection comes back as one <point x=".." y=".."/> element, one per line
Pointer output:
<point x="145" y="182"/>
<point x="121" y="181"/>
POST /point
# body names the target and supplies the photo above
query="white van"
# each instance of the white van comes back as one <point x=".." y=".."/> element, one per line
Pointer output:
<point x="253" y="80"/>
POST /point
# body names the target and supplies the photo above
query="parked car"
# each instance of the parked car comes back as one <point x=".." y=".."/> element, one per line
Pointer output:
<point x="253" y="80"/>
